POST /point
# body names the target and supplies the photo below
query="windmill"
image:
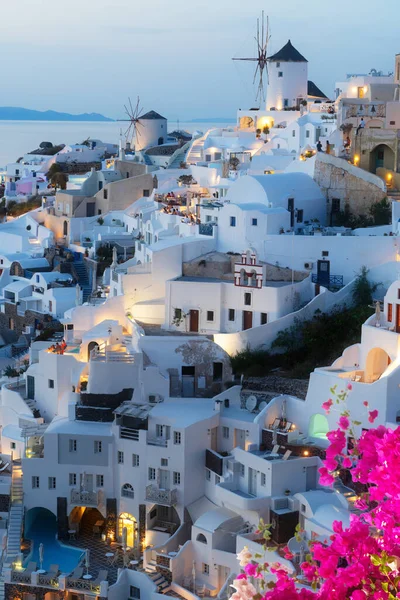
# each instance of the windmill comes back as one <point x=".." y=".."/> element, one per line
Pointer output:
<point x="132" y="133"/>
<point x="262" y="39"/>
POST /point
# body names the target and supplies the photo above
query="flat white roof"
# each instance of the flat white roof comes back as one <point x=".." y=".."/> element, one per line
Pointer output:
<point x="63" y="425"/>
<point x="183" y="413"/>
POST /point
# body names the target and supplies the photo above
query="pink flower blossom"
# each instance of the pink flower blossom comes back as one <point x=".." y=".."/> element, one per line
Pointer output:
<point x="372" y="415"/>
<point x="327" y="405"/>
<point x="344" y="423"/>
<point x="325" y="477"/>
<point x="349" y="386"/>
<point x="347" y="464"/>
<point x="365" y="403"/>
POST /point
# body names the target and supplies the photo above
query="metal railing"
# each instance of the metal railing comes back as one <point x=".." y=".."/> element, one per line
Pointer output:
<point x="154" y="441"/>
<point x="83" y="498"/>
<point x="82" y="584"/>
<point x="163" y="497"/>
<point x="334" y="280"/>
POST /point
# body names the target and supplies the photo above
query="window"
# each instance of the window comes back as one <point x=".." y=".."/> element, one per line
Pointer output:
<point x="208" y="219"/>
<point x="120" y="457"/>
<point x="242" y="470"/>
<point x="134" y="592"/>
<point x="294" y="133"/>
<point x="52" y="483"/>
<point x="264" y="319"/>
<point x="217" y="371"/>
<point x="208" y="474"/>
<point x="99" y="480"/>
<point x="303" y="508"/>
<point x="127" y="491"/>
<point x="254" y="222"/>
<point x="159" y="430"/>
<point x="146" y="193"/>
<point x="73" y="445"/>
<point x="290" y="204"/>
<point x="201" y="538"/>
<point x="278" y="64"/>
<point x="50" y="306"/>
<point x="335" y="205"/>
<point x="72" y="479"/>
<point x="398" y="294"/>
<point x="300" y="215"/>
<point x="152" y="474"/>
<point x="307" y="134"/>
<point x="325" y="253"/>
<point x="177" y="437"/>
<point x="164" y="462"/>
<point x="98" y="447"/>
<point x="177" y="478"/>
<point x="51" y="384"/>
<point x="208" y="157"/>
<point x="70" y="326"/>
<point x="217" y="156"/>
<point x="98" y="211"/>
<point x="231" y="314"/>
<point x="206" y="569"/>
<point x="247" y="299"/>
<point x="225" y="432"/>
<point x="390" y="313"/>
<point x="285" y="103"/>
<point x="217" y="479"/>
<point x="263" y="479"/>
<point x="233" y="221"/>
<point x="152" y="399"/>
<point x="210" y="315"/>
<point x="280" y="74"/>
<point x="135" y="460"/>
<point x="13" y="445"/>
<point x="105" y="194"/>
<point x="35" y="482"/>
<point x="178" y="314"/>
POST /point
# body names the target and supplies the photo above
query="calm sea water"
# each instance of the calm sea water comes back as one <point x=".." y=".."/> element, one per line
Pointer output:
<point x="19" y="137"/>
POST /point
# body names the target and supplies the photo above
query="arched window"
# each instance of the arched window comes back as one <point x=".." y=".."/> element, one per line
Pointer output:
<point x="127" y="491"/>
<point x="65" y="228"/>
<point x="201" y="538"/>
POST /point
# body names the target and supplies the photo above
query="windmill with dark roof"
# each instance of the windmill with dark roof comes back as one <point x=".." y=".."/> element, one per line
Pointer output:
<point x="288" y="79"/>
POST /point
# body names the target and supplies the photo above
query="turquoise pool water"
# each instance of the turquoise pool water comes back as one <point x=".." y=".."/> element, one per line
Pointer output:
<point x="41" y="527"/>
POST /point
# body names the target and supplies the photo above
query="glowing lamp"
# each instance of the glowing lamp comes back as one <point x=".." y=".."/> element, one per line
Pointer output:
<point x="306" y="453"/>
<point x="389" y="176"/>
<point x="356" y="159"/>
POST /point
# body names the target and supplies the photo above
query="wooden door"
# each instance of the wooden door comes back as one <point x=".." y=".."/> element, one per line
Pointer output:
<point x="247" y="319"/>
<point x="397" y="318"/>
<point x="194" y="321"/>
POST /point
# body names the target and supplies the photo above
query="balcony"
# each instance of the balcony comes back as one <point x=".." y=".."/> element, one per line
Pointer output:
<point x="162" y="497"/>
<point x="157" y="441"/>
<point x="83" y="498"/>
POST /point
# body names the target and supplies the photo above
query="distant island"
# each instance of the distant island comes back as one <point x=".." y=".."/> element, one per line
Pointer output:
<point x="12" y="113"/>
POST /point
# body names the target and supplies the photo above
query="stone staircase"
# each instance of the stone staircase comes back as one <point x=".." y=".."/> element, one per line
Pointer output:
<point x="16" y="512"/>
<point x="157" y="578"/>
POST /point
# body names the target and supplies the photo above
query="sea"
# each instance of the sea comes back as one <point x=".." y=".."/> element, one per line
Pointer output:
<point x="20" y="137"/>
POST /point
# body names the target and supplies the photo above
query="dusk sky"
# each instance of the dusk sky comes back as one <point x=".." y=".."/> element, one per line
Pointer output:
<point x="90" y="55"/>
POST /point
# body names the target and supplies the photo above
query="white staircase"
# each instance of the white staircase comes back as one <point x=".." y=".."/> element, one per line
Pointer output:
<point x="16" y="512"/>
<point x="160" y="581"/>
<point x="195" y="153"/>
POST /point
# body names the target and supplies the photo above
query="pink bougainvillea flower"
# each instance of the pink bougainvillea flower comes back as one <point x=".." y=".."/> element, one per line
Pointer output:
<point x="372" y="415"/>
<point x="349" y="387"/>
<point x="325" y="477"/>
<point x="365" y="403"/>
<point x="327" y="405"/>
<point x="344" y="423"/>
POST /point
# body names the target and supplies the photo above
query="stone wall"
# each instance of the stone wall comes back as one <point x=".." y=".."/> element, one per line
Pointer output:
<point x="351" y="185"/>
<point x="277" y="385"/>
<point x="11" y="317"/>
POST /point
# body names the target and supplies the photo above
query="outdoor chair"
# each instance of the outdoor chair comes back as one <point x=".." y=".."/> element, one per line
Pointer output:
<point x="26" y="574"/>
<point x="102" y="576"/>
<point x="53" y="570"/>
<point x="76" y="574"/>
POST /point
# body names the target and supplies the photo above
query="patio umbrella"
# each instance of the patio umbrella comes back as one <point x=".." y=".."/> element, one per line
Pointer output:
<point x="194" y="576"/>
<point x="87" y="560"/>
<point x="41" y="554"/>
<point x="377" y="314"/>
<point x="78" y="294"/>
<point x="124" y="538"/>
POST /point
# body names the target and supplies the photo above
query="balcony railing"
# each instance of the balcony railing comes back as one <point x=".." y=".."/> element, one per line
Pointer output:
<point x="163" y="497"/>
<point x="157" y="441"/>
<point x="82" y="584"/>
<point x="83" y="498"/>
<point x="335" y="281"/>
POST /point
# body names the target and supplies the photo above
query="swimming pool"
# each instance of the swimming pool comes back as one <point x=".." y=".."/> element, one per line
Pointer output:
<point x="41" y="527"/>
